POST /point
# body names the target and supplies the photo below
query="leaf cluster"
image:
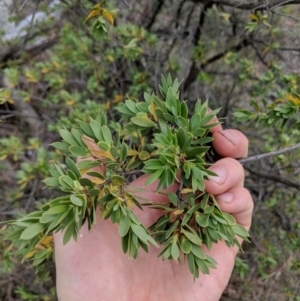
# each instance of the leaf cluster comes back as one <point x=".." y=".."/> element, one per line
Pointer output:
<point x="166" y="144"/>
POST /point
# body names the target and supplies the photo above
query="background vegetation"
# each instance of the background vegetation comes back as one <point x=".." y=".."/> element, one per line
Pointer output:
<point x="241" y="55"/>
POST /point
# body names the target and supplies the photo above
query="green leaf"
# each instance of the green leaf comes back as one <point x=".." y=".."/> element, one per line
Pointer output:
<point x="61" y="145"/>
<point x="133" y="217"/>
<point x="140" y="232"/>
<point x="103" y="119"/>
<point x="96" y="174"/>
<point x="125" y="243"/>
<point x="87" y="164"/>
<point x="172" y="196"/>
<point x="78" y="151"/>
<point x="124" y="225"/>
<point x="230" y="219"/>
<point x="70" y="229"/>
<point x="202" y="220"/>
<point x="195" y="122"/>
<point x="219" y="218"/>
<point x="86" y="129"/>
<point x="209" y="209"/>
<point x="52" y="182"/>
<point x="143" y="155"/>
<point x="202" y="265"/>
<point x="68" y="137"/>
<point x="196" y="151"/>
<point x="198" y="252"/>
<point x="187" y="144"/>
<point x="94" y="192"/>
<point x="124" y="110"/>
<point x="191" y="263"/>
<point x="72" y="166"/>
<point x="47" y="218"/>
<point x="118" y="180"/>
<point x="86" y="182"/>
<point x="57" y="209"/>
<point x="76" y="201"/>
<point x="192" y="237"/>
<point x="31" y="231"/>
<point x="193" y="209"/>
<point x="103" y="145"/>
<point x="185" y="245"/>
<point x="55" y="222"/>
<point x="203" y="140"/>
<point x="213" y="234"/>
<point x="38" y="261"/>
<point x="96" y="128"/>
<point x="143" y="122"/>
<point x="240" y="231"/>
<point x="184" y="110"/>
<point x="169" y="117"/>
<point x="153" y="177"/>
<point x="106" y="135"/>
<point x="175" y="250"/>
<point x="181" y="137"/>
<point x="77" y="135"/>
<point x="66" y="181"/>
<point x="131" y="105"/>
<point x="42" y="253"/>
<point x="186" y="218"/>
<point x="124" y="152"/>
<point x="171" y="229"/>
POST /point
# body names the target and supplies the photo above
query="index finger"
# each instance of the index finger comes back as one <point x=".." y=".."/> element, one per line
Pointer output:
<point x="229" y="143"/>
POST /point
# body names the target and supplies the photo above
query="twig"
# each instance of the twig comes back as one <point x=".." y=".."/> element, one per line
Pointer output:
<point x="247" y="5"/>
<point x="277" y="179"/>
<point x="31" y="196"/>
<point x="130" y="173"/>
<point x="156" y="12"/>
<point x="125" y="2"/>
<point x="270" y="154"/>
<point x="194" y="70"/>
<point x="179" y="193"/>
<point x="198" y="32"/>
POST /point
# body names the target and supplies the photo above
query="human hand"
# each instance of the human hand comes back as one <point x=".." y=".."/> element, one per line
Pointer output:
<point x="94" y="268"/>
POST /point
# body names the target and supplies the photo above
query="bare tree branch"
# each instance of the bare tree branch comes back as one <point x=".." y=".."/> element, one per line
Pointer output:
<point x="288" y="49"/>
<point x="14" y="52"/>
<point x="194" y="70"/>
<point x="274" y="178"/>
<point x="247" y="5"/>
<point x="155" y="13"/>
<point x="201" y="22"/>
<point x="270" y="154"/>
<point x="29" y="114"/>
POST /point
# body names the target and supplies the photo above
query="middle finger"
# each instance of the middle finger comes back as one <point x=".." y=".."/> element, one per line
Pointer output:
<point x="230" y="174"/>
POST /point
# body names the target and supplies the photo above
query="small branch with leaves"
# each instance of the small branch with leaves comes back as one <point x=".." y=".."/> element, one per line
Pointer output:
<point x="158" y="139"/>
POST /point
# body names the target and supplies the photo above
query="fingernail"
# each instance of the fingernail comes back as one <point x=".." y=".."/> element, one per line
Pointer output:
<point x="222" y="175"/>
<point x="231" y="136"/>
<point x="226" y="197"/>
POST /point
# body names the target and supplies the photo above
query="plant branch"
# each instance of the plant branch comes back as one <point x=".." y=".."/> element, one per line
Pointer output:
<point x="201" y="22"/>
<point x="178" y="13"/>
<point x="130" y="173"/>
<point x="194" y="70"/>
<point x="278" y="179"/>
<point x="27" y="111"/>
<point x="270" y="154"/>
<point x="247" y="5"/>
<point x="156" y="12"/>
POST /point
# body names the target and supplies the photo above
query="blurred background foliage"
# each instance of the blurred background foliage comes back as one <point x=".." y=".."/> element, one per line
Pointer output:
<point x="243" y="56"/>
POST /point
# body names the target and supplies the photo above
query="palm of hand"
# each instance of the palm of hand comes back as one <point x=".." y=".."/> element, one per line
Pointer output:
<point x="95" y="267"/>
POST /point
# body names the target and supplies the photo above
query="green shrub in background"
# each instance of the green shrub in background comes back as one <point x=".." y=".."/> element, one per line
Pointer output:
<point x="241" y="59"/>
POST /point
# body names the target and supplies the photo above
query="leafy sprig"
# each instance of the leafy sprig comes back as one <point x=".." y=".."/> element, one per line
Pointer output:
<point x="160" y="140"/>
